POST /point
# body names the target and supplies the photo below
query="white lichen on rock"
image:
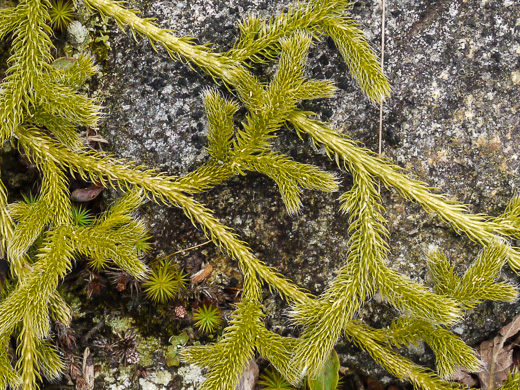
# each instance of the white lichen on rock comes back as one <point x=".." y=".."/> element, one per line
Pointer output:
<point x="77" y="34"/>
<point x="147" y="348"/>
<point x="191" y="377"/>
<point x="118" y="378"/>
<point x="120" y="324"/>
<point x="155" y="380"/>
<point x="516" y="77"/>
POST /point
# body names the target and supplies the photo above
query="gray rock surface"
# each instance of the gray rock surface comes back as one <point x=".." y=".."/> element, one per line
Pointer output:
<point x="453" y="120"/>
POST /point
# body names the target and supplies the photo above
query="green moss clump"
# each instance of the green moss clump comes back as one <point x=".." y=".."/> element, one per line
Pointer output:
<point x="164" y="282"/>
<point x="60" y="14"/>
<point x="207" y="318"/>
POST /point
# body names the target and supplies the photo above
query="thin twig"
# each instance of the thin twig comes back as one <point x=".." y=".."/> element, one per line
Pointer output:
<point x="159" y="259"/>
<point x="380" y="149"/>
<point x="95" y="329"/>
<point x="188" y="249"/>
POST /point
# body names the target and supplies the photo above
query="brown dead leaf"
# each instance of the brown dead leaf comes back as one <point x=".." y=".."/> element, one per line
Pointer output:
<point x="86" y="194"/>
<point x="93" y="138"/>
<point x="74" y="371"/>
<point x="249" y="377"/>
<point x="81" y="384"/>
<point x="204" y="273"/>
<point x="88" y="370"/>
<point x="516" y="357"/>
<point x="464" y="377"/>
<point x="374" y="384"/>
<point x="497" y="356"/>
<point x="97" y="138"/>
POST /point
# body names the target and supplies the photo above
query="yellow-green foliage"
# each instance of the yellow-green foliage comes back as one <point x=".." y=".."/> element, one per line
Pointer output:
<point x="512" y="382"/>
<point x="34" y="300"/>
<point x="271" y="379"/>
<point x="41" y="108"/>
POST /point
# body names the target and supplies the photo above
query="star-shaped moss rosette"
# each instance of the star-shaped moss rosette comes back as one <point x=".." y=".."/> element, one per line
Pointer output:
<point x="271" y="379"/>
<point x="60" y="14"/>
<point x="81" y="216"/>
<point x="207" y="318"/>
<point x="164" y="282"/>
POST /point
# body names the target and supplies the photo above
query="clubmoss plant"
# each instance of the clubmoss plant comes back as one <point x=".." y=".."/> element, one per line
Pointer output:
<point x="41" y="107"/>
<point x="512" y="382"/>
<point x="44" y="252"/>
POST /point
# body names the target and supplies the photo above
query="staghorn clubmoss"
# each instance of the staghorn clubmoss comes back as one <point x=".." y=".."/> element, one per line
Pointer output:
<point x="41" y="108"/>
<point x="36" y="272"/>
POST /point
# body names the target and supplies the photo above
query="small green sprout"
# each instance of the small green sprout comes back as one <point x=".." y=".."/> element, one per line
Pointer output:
<point x="172" y="355"/>
<point x="143" y="245"/>
<point x="164" y="282"/>
<point x="328" y="375"/>
<point x="207" y="318"/>
<point x="81" y="217"/>
<point x="60" y="14"/>
<point x="30" y="198"/>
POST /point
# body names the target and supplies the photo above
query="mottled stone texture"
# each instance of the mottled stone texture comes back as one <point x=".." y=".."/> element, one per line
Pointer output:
<point x="453" y="121"/>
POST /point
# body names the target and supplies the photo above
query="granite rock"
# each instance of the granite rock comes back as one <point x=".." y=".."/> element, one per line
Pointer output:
<point x="453" y="121"/>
